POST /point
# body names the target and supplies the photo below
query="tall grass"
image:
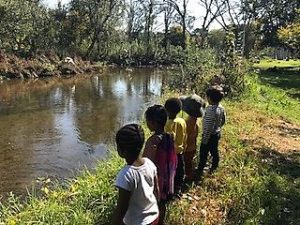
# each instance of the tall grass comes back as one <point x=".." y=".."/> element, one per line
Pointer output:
<point x="255" y="183"/>
<point x="88" y="199"/>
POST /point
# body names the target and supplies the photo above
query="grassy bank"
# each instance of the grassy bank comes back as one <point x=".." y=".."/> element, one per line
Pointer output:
<point x="88" y="199"/>
<point x="282" y="74"/>
<point x="270" y="63"/>
<point x="258" y="181"/>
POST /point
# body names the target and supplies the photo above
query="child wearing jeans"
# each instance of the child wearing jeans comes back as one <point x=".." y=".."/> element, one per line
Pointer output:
<point x="177" y="127"/>
<point x="161" y="150"/>
<point x="213" y="120"/>
<point x="137" y="181"/>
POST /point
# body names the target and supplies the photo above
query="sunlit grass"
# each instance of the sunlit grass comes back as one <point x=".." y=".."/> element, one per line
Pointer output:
<point x="88" y="199"/>
<point x="270" y="63"/>
<point x="252" y="185"/>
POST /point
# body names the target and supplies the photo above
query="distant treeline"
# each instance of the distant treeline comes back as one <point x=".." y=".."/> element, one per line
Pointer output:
<point x="124" y="31"/>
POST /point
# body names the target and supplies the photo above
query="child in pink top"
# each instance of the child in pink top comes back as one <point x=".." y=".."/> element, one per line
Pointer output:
<point x="161" y="150"/>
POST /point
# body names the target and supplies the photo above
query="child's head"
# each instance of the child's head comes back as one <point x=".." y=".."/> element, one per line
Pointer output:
<point x="214" y="94"/>
<point x="130" y="140"/>
<point x="173" y="107"/>
<point x="193" y="105"/>
<point x="156" y="117"/>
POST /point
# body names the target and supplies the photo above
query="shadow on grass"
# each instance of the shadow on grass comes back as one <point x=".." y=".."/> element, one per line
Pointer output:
<point x="287" y="79"/>
<point x="280" y="193"/>
<point x="289" y="132"/>
<point x="274" y="196"/>
<point x="287" y="165"/>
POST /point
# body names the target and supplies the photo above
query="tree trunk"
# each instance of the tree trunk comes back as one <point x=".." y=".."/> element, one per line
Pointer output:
<point x="184" y="33"/>
<point x="92" y="45"/>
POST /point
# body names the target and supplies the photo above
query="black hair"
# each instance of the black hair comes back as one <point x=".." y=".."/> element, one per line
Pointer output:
<point x="131" y="138"/>
<point x="215" y="93"/>
<point x="158" y="114"/>
<point x="173" y="105"/>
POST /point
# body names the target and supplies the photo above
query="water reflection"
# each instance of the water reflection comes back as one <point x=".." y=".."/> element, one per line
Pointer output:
<point x="51" y="127"/>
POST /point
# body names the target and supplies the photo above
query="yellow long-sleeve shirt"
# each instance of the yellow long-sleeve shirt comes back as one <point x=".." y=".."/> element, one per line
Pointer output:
<point x="177" y="127"/>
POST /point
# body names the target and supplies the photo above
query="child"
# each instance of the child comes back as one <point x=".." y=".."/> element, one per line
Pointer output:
<point x="137" y="182"/>
<point x="213" y="120"/>
<point x="193" y="106"/>
<point x="177" y="127"/>
<point x="161" y="150"/>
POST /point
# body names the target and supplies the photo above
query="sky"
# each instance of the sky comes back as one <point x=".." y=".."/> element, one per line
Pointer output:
<point x="194" y="9"/>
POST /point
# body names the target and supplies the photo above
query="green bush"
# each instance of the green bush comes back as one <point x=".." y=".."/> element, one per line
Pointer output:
<point x="204" y="67"/>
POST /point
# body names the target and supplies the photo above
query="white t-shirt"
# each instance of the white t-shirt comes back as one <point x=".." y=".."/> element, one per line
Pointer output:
<point x="142" y="209"/>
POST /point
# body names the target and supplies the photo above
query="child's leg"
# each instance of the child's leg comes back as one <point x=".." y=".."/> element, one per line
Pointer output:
<point x="179" y="177"/>
<point x="162" y="212"/>
<point x="203" y="158"/>
<point x="188" y="162"/>
<point x="214" y="151"/>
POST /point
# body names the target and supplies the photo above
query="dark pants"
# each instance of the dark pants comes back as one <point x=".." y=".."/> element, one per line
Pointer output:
<point x="189" y="165"/>
<point x="179" y="176"/>
<point x="212" y="148"/>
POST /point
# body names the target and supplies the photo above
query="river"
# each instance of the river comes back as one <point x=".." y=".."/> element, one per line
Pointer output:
<point x="55" y="127"/>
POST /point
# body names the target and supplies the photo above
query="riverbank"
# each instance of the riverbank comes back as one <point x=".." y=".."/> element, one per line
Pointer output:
<point x="50" y="65"/>
<point x="45" y="65"/>
<point x="258" y="181"/>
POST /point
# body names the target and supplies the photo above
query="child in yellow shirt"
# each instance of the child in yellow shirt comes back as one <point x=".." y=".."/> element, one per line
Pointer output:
<point x="194" y="106"/>
<point x="177" y="127"/>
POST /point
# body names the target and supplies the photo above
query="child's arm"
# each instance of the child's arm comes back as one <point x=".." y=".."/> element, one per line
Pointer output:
<point x="180" y="137"/>
<point x="122" y="206"/>
<point x="156" y="189"/>
<point x="151" y="148"/>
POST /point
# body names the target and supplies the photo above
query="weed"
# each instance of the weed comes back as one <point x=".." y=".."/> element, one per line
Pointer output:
<point x="258" y="181"/>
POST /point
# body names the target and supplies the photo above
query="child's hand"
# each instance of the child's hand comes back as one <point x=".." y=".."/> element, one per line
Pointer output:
<point x="122" y="206"/>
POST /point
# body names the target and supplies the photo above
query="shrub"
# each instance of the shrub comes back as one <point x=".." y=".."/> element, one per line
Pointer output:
<point x="202" y="68"/>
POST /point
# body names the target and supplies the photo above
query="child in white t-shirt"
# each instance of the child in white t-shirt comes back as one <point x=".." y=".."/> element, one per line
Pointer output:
<point x="137" y="181"/>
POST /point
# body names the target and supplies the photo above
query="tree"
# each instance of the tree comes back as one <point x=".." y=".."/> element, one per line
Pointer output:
<point x="241" y="18"/>
<point x="22" y="25"/>
<point x="168" y="12"/>
<point x="212" y="10"/>
<point x="99" y="17"/>
<point x="273" y="14"/>
<point x="134" y="19"/>
<point x="180" y="7"/>
<point x="149" y="7"/>
<point x="290" y="35"/>
<point x="216" y="39"/>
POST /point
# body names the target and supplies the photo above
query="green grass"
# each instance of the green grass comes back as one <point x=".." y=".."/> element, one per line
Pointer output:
<point x="278" y="98"/>
<point x="256" y="184"/>
<point x="282" y="74"/>
<point x="86" y="200"/>
<point x="270" y="63"/>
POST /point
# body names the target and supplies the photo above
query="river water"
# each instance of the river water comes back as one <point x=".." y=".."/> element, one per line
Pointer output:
<point x="54" y="127"/>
